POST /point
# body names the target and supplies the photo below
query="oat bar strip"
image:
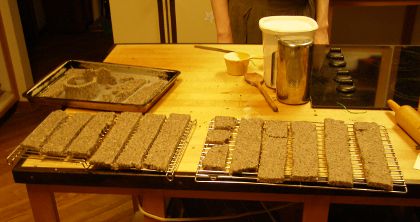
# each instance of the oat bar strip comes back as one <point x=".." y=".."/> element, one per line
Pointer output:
<point x="340" y="171"/>
<point x="54" y="90"/>
<point x="273" y="152"/>
<point x="125" y="89"/>
<point x="248" y="145"/>
<point x="115" y="139"/>
<point x="304" y="151"/>
<point x="133" y="153"/>
<point x="217" y="136"/>
<point x="86" y="142"/>
<point x="145" y="94"/>
<point x="372" y="152"/>
<point x="163" y="148"/>
<point x="61" y="138"/>
<point x="39" y="135"/>
<point x="215" y="158"/>
<point x="225" y="122"/>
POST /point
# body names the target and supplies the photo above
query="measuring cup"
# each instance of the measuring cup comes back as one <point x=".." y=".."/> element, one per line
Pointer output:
<point x="237" y="62"/>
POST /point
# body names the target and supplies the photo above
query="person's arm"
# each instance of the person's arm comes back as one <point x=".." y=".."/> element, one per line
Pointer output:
<point x="321" y="35"/>
<point x="221" y="17"/>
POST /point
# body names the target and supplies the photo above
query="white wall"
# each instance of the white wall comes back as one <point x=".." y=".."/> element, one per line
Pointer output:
<point x="135" y="21"/>
<point x="5" y="83"/>
<point x="16" y="43"/>
<point x="195" y="21"/>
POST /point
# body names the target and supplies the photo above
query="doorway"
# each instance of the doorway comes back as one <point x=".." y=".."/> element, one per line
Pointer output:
<point x="57" y="31"/>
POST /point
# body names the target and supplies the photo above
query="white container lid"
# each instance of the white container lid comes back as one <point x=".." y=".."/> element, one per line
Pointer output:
<point x="287" y="24"/>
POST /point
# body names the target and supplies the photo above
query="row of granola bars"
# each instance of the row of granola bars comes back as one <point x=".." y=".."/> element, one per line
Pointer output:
<point x="262" y="147"/>
<point x="131" y="140"/>
<point x="110" y="140"/>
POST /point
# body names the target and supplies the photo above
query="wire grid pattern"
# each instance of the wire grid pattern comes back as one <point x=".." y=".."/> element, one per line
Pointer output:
<point x="359" y="181"/>
<point x="22" y="153"/>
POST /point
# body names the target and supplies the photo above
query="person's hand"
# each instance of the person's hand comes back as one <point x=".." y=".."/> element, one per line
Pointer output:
<point x="321" y="36"/>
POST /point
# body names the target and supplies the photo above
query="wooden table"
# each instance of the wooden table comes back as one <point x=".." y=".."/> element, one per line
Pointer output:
<point x="204" y="90"/>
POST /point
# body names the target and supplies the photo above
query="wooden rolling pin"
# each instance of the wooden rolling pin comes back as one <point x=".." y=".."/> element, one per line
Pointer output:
<point x="408" y="118"/>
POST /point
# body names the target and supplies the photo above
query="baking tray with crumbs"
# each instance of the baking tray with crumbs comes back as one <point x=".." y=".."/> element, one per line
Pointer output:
<point x="103" y="86"/>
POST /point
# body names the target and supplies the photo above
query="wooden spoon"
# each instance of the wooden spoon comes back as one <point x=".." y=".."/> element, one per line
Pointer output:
<point x="256" y="80"/>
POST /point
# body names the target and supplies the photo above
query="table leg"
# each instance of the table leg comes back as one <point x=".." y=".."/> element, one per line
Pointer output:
<point x="44" y="207"/>
<point x="135" y="200"/>
<point x="153" y="202"/>
<point x="315" y="209"/>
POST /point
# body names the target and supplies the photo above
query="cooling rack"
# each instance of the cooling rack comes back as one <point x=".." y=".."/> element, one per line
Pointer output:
<point x="359" y="181"/>
<point x="21" y="153"/>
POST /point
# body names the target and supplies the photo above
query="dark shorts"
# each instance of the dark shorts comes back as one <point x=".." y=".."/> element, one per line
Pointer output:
<point x="245" y="14"/>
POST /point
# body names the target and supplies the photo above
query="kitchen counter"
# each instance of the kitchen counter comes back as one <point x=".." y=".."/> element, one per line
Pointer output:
<point x="204" y="90"/>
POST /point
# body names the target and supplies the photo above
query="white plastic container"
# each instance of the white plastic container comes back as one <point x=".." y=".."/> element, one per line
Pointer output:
<point x="275" y="27"/>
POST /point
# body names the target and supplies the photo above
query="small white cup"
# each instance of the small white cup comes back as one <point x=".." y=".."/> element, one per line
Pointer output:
<point x="237" y="63"/>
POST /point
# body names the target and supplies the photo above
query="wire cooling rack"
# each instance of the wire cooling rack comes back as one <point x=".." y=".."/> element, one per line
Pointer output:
<point x="359" y="181"/>
<point x="21" y="153"/>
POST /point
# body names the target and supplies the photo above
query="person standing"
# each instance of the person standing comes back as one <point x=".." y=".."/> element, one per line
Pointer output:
<point x="237" y="20"/>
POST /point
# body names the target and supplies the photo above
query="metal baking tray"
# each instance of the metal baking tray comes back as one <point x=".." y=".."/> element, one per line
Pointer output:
<point x="35" y="93"/>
